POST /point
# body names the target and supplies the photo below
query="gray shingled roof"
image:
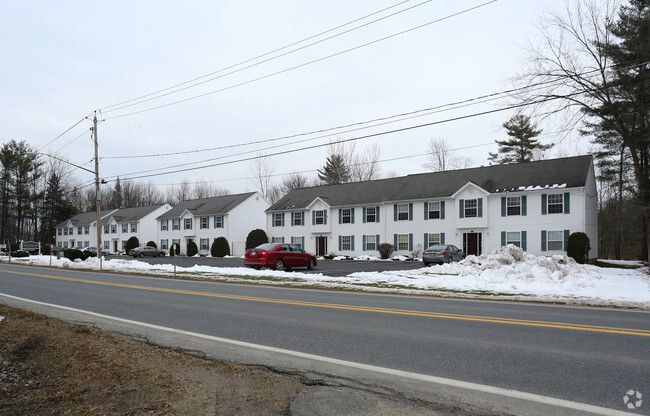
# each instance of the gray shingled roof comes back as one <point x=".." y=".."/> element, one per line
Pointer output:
<point x="85" y="218"/>
<point x="207" y="206"/>
<point x="123" y="215"/>
<point x="571" y="171"/>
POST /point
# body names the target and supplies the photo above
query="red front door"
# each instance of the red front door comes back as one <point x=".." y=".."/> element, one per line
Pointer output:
<point x="472" y="244"/>
<point x="321" y="246"/>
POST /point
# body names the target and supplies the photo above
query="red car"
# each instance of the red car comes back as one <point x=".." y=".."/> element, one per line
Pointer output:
<point x="279" y="256"/>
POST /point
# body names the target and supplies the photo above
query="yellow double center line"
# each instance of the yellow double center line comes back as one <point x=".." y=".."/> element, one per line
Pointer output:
<point x="577" y="327"/>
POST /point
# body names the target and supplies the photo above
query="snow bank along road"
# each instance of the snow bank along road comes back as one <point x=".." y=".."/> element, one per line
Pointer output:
<point x="489" y="354"/>
<point x="506" y="273"/>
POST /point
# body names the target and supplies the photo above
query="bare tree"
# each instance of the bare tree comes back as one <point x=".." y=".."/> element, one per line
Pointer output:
<point x="205" y="189"/>
<point x="442" y="157"/>
<point x="179" y="193"/>
<point x="262" y="169"/>
<point x="364" y="166"/>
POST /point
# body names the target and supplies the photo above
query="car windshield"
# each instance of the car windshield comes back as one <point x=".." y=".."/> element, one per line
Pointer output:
<point x="267" y="246"/>
<point x="437" y="248"/>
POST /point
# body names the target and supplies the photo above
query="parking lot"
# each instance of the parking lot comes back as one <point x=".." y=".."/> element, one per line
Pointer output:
<point x="328" y="267"/>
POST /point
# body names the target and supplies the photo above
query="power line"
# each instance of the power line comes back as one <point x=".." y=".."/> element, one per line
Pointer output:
<point x="175" y="88"/>
<point x="60" y="135"/>
<point x="303" y="64"/>
<point x="315" y="170"/>
<point x="346" y="140"/>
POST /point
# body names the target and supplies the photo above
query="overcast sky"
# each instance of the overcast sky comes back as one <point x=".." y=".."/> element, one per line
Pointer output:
<point x="64" y="60"/>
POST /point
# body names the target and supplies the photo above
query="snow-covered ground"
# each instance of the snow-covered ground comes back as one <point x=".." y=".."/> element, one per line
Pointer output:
<point x="505" y="273"/>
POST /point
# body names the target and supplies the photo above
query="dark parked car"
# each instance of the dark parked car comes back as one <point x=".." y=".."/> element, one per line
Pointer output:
<point x="442" y="254"/>
<point x="146" y="251"/>
<point x="279" y="256"/>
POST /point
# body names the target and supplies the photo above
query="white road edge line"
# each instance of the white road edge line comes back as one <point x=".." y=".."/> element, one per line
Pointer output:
<point x="382" y="370"/>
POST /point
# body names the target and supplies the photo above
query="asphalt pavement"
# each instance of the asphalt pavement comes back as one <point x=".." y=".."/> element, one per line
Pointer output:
<point x="382" y="350"/>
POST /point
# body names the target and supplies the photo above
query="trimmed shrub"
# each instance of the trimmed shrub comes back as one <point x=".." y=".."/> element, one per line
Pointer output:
<point x="255" y="238"/>
<point x="14" y="247"/>
<point x="385" y="250"/>
<point x="88" y="253"/>
<point x="174" y="250"/>
<point x="151" y="244"/>
<point x="578" y="247"/>
<point x="19" y="253"/>
<point x="192" y="249"/>
<point x="131" y="243"/>
<point x="73" y="254"/>
<point x="220" y="247"/>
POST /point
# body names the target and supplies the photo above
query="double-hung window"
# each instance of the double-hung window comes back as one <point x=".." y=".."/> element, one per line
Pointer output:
<point x="278" y="218"/>
<point x="188" y="224"/>
<point x="218" y="221"/>
<point x="346" y="216"/>
<point x="433" y="239"/>
<point x="176" y="224"/>
<point x="297" y="241"/>
<point x="555" y="203"/>
<point x="402" y="212"/>
<point x="402" y="242"/>
<point x="319" y="217"/>
<point x="434" y="210"/>
<point x="164" y="244"/>
<point x="163" y="225"/>
<point x="513" y="205"/>
<point x="555" y="240"/>
<point x="113" y="228"/>
<point x="106" y="229"/>
<point x="86" y="230"/>
<point x="371" y="214"/>
<point x="79" y="230"/>
<point x="205" y="244"/>
<point x="471" y="208"/>
<point x="346" y="242"/>
<point x="134" y="227"/>
<point x="204" y="223"/>
<point x="296" y="218"/>
<point x="513" y="237"/>
<point x="371" y="242"/>
<point x="125" y="228"/>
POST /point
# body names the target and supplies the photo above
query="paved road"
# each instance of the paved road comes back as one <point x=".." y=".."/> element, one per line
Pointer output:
<point x="590" y="356"/>
<point x="328" y="267"/>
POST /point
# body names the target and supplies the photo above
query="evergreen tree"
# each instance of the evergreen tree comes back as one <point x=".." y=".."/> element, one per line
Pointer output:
<point x="335" y="170"/>
<point x="622" y="120"/>
<point x="55" y="209"/>
<point x="521" y="144"/>
<point x="117" y="195"/>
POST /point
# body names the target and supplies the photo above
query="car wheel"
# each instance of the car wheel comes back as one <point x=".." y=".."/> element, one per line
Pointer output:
<point x="311" y="264"/>
<point x="426" y="264"/>
<point x="141" y="255"/>
<point x="448" y="260"/>
<point x="161" y="255"/>
<point x="279" y="264"/>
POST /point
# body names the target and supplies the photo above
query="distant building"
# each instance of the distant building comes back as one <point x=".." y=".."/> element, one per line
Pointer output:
<point x="139" y="222"/>
<point x="204" y="220"/>
<point x="534" y="205"/>
<point x="80" y="230"/>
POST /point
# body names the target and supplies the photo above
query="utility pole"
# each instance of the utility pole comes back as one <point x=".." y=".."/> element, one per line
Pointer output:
<point x="97" y="195"/>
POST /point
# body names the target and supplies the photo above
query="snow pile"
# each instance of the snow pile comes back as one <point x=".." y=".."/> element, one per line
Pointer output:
<point x="511" y="271"/>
